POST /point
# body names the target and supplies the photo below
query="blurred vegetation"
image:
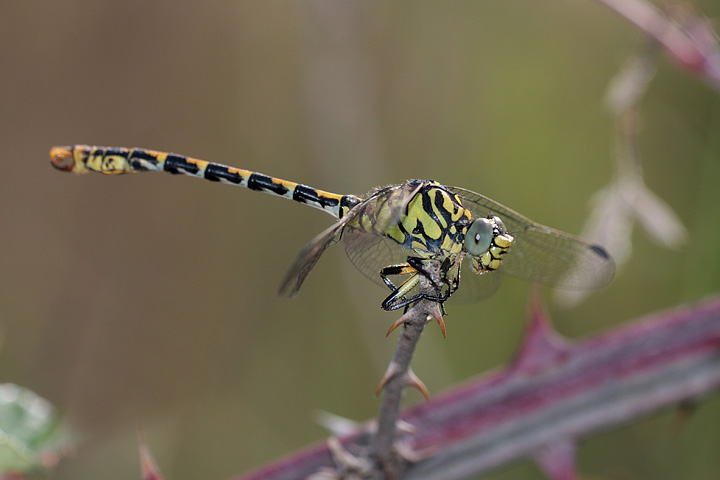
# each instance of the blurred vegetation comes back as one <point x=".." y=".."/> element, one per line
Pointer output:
<point x="151" y="300"/>
<point x="30" y="438"/>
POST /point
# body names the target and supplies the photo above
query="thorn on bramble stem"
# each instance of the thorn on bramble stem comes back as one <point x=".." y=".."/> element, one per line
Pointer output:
<point x="412" y="380"/>
<point x="347" y="465"/>
<point x="392" y="370"/>
<point x="558" y="460"/>
<point x="399" y="322"/>
<point x="432" y="316"/>
<point x="541" y="346"/>
<point x="335" y="424"/>
<point x="682" y="415"/>
<point x="440" y="322"/>
<point x="149" y="468"/>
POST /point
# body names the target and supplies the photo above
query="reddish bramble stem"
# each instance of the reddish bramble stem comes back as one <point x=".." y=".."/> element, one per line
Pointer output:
<point x="554" y="393"/>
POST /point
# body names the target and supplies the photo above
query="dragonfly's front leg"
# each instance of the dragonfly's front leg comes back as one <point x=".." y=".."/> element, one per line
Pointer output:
<point x="398" y="298"/>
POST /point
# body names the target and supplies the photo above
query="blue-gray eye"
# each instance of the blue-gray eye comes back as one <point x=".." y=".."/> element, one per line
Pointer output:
<point x="499" y="223"/>
<point x="479" y="236"/>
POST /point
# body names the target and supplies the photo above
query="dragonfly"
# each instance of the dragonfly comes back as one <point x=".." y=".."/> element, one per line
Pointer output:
<point x="393" y="233"/>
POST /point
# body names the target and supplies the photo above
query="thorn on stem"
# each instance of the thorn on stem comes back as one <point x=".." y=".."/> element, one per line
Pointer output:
<point x="391" y="371"/>
<point x="335" y="424"/>
<point x="149" y="468"/>
<point x="558" y="460"/>
<point x="399" y="322"/>
<point x="682" y="415"/>
<point x="542" y="346"/>
<point x="409" y="379"/>
<point x="433" y="312"/>
<point x="412" y="380"/>
<point x="347" y="465"/>
<point x="440" y="322"/>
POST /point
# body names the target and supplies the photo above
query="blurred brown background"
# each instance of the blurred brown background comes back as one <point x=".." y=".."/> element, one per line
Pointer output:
<point x="151" y="300"/>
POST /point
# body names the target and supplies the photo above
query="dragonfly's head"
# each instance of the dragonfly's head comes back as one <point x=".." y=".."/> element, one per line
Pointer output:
<point x="70" y="159"/>
<point x="487" y="242"/>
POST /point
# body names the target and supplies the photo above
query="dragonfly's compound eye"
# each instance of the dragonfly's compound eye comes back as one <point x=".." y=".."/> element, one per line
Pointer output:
<point x="479" y="236"/>
<point x="500" y="224"/>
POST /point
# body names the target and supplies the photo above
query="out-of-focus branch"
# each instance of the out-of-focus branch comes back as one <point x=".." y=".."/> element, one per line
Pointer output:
<point x="148" y="467"/>
<point x="626" y="200"/>
<point x="688" y="39"/>
<point x="554" y="393"/>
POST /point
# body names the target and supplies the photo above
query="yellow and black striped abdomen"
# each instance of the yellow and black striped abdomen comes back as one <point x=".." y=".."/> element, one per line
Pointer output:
<point x="114" y="161"/>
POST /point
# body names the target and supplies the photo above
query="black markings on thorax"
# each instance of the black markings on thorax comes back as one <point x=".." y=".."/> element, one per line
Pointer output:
<point x="440" y="205"/>
<point x="428" y="195"/>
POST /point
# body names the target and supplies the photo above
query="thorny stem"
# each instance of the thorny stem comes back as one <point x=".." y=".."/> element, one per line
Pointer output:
<point x="554" y="394"/>
<point x="383" y="447"/>
<point x="383" y="442"/>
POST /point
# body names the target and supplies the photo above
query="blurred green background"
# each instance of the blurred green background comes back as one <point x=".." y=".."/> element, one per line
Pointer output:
<point x="151" y="300"/>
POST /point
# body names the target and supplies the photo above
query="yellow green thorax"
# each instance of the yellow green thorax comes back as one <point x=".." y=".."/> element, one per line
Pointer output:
<point x="429" y="219"/>
<point x="421" y="215"/>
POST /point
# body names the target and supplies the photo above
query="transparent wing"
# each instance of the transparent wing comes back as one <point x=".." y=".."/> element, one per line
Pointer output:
<point x="474" y="287"/>
<point x="541" y="254"/>
<point x="309" y="255"/>
<point x="371" y="253"/>
<point x="365" y="244"/>
<point x="386" y="206"/>
<point x="378" y="212"/>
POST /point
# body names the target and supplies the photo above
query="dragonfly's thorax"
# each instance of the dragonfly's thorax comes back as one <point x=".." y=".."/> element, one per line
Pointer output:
<point x="421" y="215"/>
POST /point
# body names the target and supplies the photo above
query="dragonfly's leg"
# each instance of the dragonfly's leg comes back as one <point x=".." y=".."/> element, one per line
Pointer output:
<point x="450" y="271"/>
<point x="450" y="276"/>
<point x="418" y="264"/>
<point x="397" y="298"/>
<point x="414" y="267"/>
<point x="392" y="302"/>
<point x="402" y="269"/>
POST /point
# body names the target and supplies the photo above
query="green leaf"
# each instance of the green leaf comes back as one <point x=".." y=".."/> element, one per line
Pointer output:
<point x="27" y="430"/>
